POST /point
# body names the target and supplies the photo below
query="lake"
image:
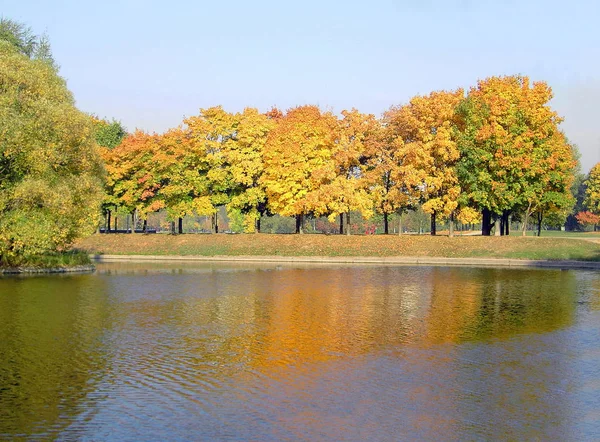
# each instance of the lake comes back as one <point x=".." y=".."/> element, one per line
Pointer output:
<point x="265" y="352"/>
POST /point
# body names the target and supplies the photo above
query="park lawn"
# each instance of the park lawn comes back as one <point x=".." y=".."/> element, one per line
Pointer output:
<point x="559" y="234"/>
<point x="342" y="245"/>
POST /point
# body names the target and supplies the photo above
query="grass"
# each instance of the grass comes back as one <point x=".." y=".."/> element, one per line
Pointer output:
<point x="559" y="234"/>
<point x="341" y="245"/>
<point x="70" y="258"/>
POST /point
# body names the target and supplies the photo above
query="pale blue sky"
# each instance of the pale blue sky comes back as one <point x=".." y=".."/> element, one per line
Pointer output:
<point x="150" y="63"/>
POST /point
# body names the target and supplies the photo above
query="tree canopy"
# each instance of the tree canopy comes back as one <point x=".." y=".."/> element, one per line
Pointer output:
<point x="50" y="170"/>
<point x="495" y="151"/>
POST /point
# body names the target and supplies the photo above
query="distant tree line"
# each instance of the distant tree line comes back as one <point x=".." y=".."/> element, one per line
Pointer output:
<point x="483" y="156"/>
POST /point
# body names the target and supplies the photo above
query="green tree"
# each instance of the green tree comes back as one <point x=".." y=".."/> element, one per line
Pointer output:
<point x="25" y="41"/>
<point x="50" y="170"/>
<point x="108" y="133"/>
<point x="513" y="156"/>
<point x="592" y="191"/>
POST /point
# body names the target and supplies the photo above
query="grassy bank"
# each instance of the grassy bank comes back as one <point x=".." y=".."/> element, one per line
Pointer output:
<point x="340" y="245"/>
<point x="66" y="259"/>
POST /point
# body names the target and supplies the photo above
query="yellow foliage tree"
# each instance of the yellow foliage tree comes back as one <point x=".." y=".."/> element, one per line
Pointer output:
<point x="423" y="136"/>
<point x="592" y="191"/>
<point x="208" y="133"/>
<point x="243" y="153"/>
<point x="348" y="189"/>
<point x="298" y="160"/>
<point x="50" y="170"/>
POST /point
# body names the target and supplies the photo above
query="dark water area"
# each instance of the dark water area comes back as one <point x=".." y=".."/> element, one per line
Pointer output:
<point x="247" y="352"/>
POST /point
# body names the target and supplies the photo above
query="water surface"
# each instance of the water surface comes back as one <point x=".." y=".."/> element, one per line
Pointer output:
<point x="256" y="352"/>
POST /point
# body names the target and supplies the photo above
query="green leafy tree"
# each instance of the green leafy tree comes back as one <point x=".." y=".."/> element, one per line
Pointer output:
<point x="513" y="156"/>
<point x="50" y="170"/>
<point x="592" y="191"/>
<point x="25" y="41"/>
<point x="108" y="133"/>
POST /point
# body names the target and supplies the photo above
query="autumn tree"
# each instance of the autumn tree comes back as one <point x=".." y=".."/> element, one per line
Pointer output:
<point x="133" y="177"/>
<point x="348" y="190"/>
<point x="208" y="133"/>
<point x="426" y="152"/>
<point x="298" y="161"/>
<point x="588" y="218"/>
<point x="383" y="173"/>
<point x="592" y="191"/>
<point x="513" y="156"/>
<point x="243" y="154"/>
<point x="108" y="135"/>
<point x="592" y="198"/>
<point x="50" y="172"/>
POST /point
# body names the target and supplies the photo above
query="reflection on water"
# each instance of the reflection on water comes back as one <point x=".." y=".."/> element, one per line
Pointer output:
<point x="200" y="351"/>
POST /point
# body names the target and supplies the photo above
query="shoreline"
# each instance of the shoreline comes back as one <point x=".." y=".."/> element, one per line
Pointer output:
<point x="387" y="260"/>
<point x="41" y="270"/>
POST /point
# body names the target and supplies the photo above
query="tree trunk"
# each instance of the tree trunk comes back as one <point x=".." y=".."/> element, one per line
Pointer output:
<point x="526" y="220"/>
<point x="502" y="225"/>
<point x="108" y="214"/>
<point x="386" y="227"/>
<point x="498" y="226"/>
<point x="506" y="216"/>
<point x="180" y="225"/>
<point x="299" y="224"/>
<point x="451" y="225"/>
<point x="172" y="227"/>
<point x="145" y="227"/>
<point x="133" y="221"/>
<point x="433" y="231"/>
<point x="348" y="225"/>
<point x="116" y="223"/>
<point x="214" y="223"/>
<point x="257" y="225"/>
<point x="486" y="222"/>
<point x="540" y="217"/>
<point x="341" y="223"/>
<point x="400" y="224"/>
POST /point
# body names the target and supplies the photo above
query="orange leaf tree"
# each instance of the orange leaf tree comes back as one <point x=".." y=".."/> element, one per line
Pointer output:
<point x="132" y="183"/>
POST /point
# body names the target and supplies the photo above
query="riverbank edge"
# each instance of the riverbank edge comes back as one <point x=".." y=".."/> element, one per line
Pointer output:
<point x="394" y="260"/>
<point x="41" y="270"/>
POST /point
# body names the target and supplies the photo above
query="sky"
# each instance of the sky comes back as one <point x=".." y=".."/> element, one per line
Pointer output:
<point x="150" y="63"/>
